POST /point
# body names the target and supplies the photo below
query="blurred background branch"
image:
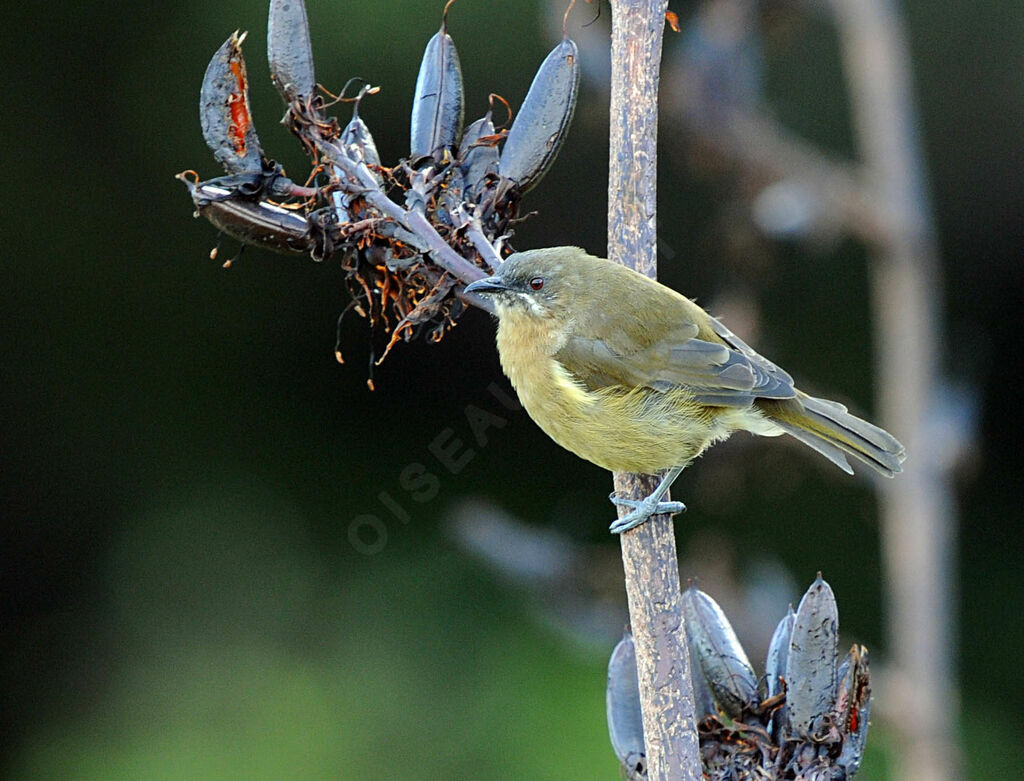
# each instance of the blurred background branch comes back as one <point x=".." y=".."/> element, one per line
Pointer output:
<point x="917" y="513"/>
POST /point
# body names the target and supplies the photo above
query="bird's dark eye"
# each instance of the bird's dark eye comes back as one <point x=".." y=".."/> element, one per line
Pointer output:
<point x="536" y="283"/>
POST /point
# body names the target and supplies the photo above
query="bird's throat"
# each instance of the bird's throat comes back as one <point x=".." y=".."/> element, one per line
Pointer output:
<point x="526" y="345"/>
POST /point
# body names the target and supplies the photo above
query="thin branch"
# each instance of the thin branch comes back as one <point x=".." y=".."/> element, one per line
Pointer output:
<point x="648" y="551"/>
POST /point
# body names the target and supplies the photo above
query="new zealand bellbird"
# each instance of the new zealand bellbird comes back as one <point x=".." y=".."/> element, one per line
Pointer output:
<point x="635" y="377"/>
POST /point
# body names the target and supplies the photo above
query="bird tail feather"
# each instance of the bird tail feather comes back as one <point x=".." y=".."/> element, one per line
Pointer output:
<point x="830" y="429"/>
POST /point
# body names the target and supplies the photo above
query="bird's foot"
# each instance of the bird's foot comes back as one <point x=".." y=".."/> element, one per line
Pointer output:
<point x="642" y="510"/>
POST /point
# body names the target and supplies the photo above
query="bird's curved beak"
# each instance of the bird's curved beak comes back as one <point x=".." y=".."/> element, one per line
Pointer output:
<point x="486" y="285"/>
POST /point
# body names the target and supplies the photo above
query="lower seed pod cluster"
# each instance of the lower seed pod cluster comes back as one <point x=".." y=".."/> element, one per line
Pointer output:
<point x="805" y="718"/>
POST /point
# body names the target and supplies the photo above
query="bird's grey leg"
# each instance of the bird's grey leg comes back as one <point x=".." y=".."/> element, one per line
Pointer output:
<point x="645" y="508"/>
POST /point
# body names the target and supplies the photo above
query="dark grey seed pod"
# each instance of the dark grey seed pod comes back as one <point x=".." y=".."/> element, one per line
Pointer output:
<point x="438" y="99"/>
<point x="622" y="700"/>
<point x="853" y="707"/>
<point x="778" y="650"/>
<point x="718" y="653"/>
<point x="224" y="111"/>
<point x="477" y="159"/>
<point x="472" y="134"/>
<point x="289" y="51"/>
<point x="775" y="667"/>
<point x="703" y="697"/>
<point x="540" y="128"/>
<point x="252" y="222"/>
<point x="359" y="144"/>
<point x="812" y="661"/>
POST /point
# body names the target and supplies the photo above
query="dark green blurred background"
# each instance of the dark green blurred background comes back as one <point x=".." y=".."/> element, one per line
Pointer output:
<point x="182" y="457"/>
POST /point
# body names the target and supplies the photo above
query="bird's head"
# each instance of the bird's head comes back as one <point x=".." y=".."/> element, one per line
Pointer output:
<point x="537" y="283"/>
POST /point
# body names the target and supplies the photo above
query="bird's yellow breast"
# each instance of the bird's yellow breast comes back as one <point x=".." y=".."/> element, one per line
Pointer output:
<point x="618" y="428"/>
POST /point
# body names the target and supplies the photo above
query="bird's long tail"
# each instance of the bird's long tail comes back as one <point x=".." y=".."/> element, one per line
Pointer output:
<point x="827" y="427"/>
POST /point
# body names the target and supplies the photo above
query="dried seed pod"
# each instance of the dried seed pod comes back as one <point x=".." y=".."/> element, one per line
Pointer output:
<point x="358" y="142"/>
<point x="542" y="124"/>
<point x="719" y="654"/>
<point x="622" y="700"/>
<point x="471" y="136"/>
<point x="703" y="697"/>
<point x="478" y="153"/>
<point x="269" y="183"/>
<point x="224" y="110"/>
<point x="778" y="651"/>
<point x="289" y="51"/>
<point x="438" y="99"/>
<point x="853" y="706"/>
<point x="252" y="222"/>
<point x="775" y="667"/>
<point x="812" y="660"/>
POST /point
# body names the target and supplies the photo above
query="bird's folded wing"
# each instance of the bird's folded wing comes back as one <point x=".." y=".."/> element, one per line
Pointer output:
<point x="719" y="374"/>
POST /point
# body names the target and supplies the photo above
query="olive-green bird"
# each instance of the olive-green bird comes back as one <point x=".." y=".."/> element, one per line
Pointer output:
<point x="635" y="377"/>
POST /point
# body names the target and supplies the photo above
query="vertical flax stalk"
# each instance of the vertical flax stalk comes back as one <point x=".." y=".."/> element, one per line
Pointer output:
<point x="649" y="551"/>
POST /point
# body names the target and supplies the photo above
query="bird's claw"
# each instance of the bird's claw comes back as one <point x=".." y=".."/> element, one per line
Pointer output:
<point x="641" y="510"/>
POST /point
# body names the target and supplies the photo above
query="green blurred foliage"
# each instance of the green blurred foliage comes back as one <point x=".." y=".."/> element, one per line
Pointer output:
<point x="182" y="457"/>
<point x="238" y="651"/>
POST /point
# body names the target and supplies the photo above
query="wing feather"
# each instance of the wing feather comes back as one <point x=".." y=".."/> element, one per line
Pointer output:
<point x="716" y="373"/>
